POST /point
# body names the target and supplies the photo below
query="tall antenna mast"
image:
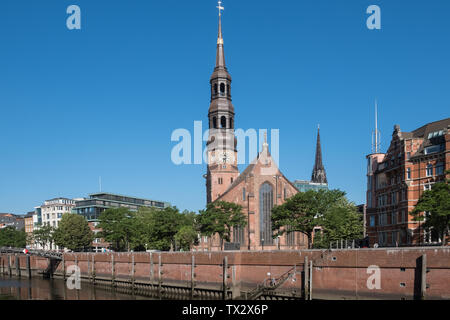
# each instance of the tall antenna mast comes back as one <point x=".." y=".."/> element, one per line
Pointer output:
<point x="376" y="138"/>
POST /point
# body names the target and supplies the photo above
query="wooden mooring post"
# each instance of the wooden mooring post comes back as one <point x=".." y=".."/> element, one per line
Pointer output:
<point x="225" y="278"/>
<point x="306" y="279"/>
<point x="9" y="265"/>
<point x="28" y="261"/>
<point x="160" y="273"/>
<point x="310" y="279"/>
<point x="64" y="267"/>
<point x="132" y="271"/>
<point x="17" y="263"/>
<point x="113" y="276"/>
<point x="93" y="269"/>
<point x="192" y="276"/>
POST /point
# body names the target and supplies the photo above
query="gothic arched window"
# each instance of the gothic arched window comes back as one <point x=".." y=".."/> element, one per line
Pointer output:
<point x="265" y="209"/>
<point x="228" y="90"/>
<point x="214" y="122"/>
<point x="231" y="123"/>
<point x="222" y="88"/>
<point x="215" y="88"/>
<point x="223" y="122"/>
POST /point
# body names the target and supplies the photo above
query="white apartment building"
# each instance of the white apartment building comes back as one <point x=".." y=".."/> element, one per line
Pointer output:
<point x="52" y="210"/>
<point x="50" y="213"/>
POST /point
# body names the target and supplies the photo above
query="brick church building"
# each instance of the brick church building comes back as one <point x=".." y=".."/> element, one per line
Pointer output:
<point x="258" y="188"/>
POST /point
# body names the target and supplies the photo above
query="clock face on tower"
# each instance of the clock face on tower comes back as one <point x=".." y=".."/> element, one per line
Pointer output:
<point x="222" y="157"/>
<point x="225" y="157"/>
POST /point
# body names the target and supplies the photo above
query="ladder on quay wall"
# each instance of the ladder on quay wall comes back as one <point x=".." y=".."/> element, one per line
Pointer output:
<point x="268" y="285"/>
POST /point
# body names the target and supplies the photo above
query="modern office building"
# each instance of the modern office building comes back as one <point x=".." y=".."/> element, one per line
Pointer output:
<point x="305" y="185"/>
<point x="397" y="179"/>
<point x="92" y="207"/>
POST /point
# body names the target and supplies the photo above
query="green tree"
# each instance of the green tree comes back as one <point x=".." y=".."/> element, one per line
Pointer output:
<point x="303" y="211"/>
<point x="186" y="237"/>
<point x="44" y="235"/>
<point x="163" y="225"/>
<point x="434" y="207"/>
<point x="10" y="237"/>
<point x="117" y="226"/>
<point x="340" y="221"/>
<point x="220" y="217"/>
<point x="73" y="232"/>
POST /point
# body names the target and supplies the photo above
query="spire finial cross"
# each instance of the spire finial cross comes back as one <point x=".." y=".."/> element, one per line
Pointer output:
<point x="220" y="7"/>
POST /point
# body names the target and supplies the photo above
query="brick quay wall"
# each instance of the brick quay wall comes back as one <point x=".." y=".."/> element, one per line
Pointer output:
<point x="385" y="273"/>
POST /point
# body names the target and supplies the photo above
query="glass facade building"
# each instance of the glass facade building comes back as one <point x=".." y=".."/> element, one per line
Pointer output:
<point x="304" y="185"/>
<point x="92" y="207"/>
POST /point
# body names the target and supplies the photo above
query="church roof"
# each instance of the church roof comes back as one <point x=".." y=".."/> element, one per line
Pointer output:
<point x="263" y="155"/>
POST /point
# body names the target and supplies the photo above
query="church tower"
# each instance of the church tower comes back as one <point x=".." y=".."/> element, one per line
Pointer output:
<point x="222" y="154"/>
<point x="319" y="175"/>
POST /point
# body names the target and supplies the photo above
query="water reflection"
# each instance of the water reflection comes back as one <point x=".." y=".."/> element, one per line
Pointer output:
<point x="55" y="289"/>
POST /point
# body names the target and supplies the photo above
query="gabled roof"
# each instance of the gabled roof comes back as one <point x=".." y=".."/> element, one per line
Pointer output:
<point x="264" y="154"/>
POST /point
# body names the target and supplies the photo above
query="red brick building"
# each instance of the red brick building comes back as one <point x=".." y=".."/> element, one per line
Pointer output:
<point x="258" y="188"/>
<point x="395" y="181"/>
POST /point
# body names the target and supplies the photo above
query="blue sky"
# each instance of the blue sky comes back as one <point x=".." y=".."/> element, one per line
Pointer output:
<point x="104" y="100"/>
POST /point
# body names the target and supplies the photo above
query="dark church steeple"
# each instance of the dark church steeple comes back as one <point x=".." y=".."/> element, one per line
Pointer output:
<point x="222" y="154"/>
<point x="319" y="175"/>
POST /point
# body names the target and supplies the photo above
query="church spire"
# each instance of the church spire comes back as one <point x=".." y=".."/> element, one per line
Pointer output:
<point x="319" y="175"/>
<point x="220" y="57"/>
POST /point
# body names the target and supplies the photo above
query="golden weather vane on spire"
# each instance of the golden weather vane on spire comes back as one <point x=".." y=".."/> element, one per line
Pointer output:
<point x="220" y="7"/>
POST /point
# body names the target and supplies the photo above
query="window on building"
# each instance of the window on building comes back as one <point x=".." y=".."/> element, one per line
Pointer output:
<point x="434" y="149"/>
<point x="220" y="180"/>
<point x="427" y="186"/>
<point x="439" y="168"/>
<point x="394" y="217"/>
<point x="238" y="235"/>
<point x="243" y="194"/>
<point x="408" y="174"/>
<point x="223" y="122"/>
<point x="265" y="209"/>
<point x="429" y="170"/>
<point x="372" y="221"/>
<point x="231" y="180"/>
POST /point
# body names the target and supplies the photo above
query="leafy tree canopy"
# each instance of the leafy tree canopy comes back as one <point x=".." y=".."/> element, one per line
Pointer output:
<point x="10" y="237"/>
<point x="73" y="232"/>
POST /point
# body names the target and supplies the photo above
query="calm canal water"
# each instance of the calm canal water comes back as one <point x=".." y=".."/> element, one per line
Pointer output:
<point x="55" y="289"/>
